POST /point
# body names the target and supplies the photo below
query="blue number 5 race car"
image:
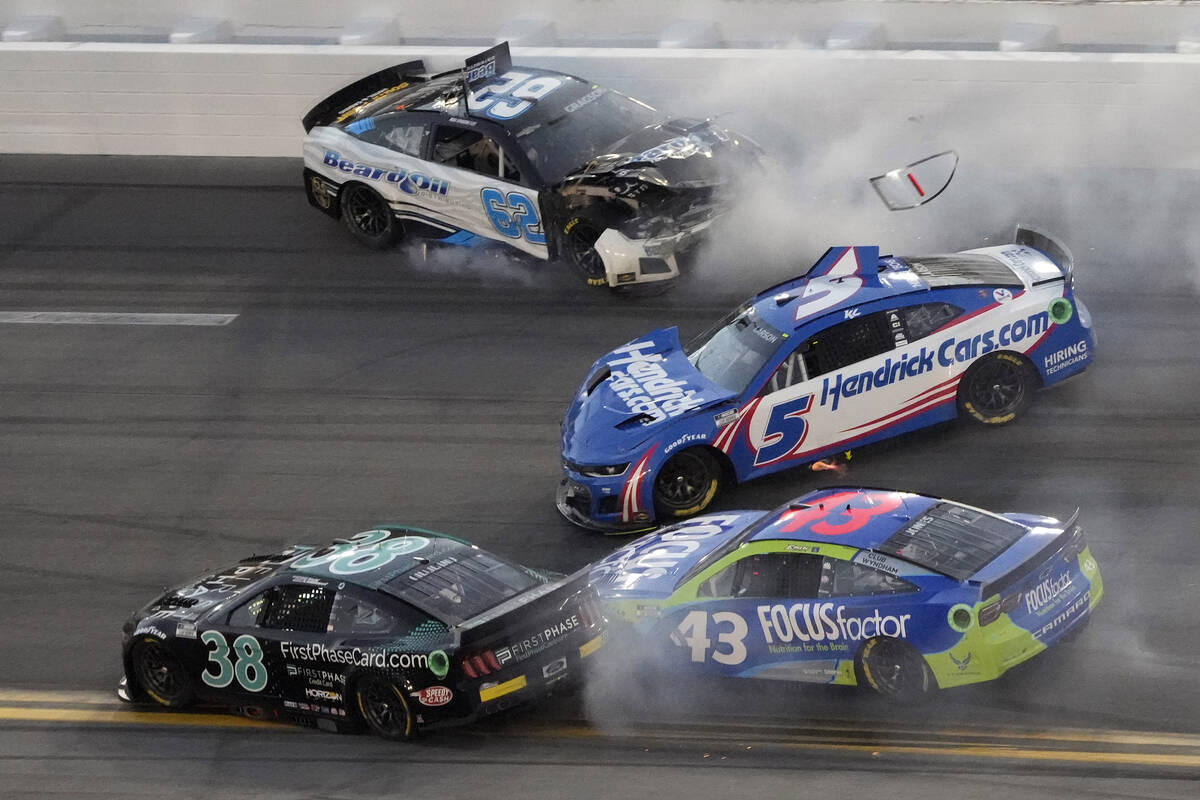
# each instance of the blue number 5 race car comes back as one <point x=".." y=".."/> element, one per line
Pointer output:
<point x="899" y="592"/>
<point x="859" y="349"/>
<point x="541" y="161"/>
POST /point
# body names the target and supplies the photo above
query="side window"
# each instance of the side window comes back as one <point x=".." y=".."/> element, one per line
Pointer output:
<point x="297" y="607"/>
<point x="766" y="575"/>
<point x="395" y="131"/>
<point x="846" y="579"/>
<point x="846" y="343"/>
<point x="468" y="149"/>
<point x="250" y="613"/>
<point x="917" y="322"/>
<point x="354" y="614"/>
<point x="791" y="371"/>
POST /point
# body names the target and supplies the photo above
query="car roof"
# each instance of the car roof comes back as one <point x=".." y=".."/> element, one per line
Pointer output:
<point x="820" y="516"/>
<point x="795" y="302"/>
<point x="372" y="561"/>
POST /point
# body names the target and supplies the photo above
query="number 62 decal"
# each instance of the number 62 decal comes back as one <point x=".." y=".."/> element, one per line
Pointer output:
<point x="512" y="215"/>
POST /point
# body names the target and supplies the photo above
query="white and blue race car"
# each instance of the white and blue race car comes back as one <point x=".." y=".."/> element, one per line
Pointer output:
<point x="859" y="349"/>
<point x="541" y="161"/>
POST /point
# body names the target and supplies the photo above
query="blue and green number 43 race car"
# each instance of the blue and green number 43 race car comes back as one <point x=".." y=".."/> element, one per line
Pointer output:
<point x="899" y="592"/>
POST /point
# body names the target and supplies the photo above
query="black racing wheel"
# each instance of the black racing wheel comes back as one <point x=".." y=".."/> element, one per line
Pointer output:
<point x="578" y="244"/>
<point x="894" y="669"/>
<point x="687" y="483"/>
<point x="383" y="707"/>
<point x="160" y="674"/>
<point x="997" y="389"/>
<point x="368" y="216"/>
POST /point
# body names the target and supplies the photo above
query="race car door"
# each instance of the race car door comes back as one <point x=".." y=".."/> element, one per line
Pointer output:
<point x="486" y="196"/>
<point x="862" y="377"/>
<point x="245" y="655"/>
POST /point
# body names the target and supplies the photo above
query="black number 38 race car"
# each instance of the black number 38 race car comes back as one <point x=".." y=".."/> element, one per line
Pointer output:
<point x="395" y="628"/>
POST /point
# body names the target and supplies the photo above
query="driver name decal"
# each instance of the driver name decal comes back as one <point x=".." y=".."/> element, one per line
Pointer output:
<point x="641" y="381"/>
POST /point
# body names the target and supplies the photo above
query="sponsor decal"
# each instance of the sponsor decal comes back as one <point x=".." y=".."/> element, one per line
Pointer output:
<point x="641" y="381"/>
<point x="636" y="562"/>
<point x="381" y="658"/>
<point x="186" y="630"/>
<point x="689" y="437"/>
<point x="1002" y="295"/>
<point x="539" y="641"/>
<point x="434" y="696"/>
<point x="806" y="623"/>
<point x="556" y="667"/>
<point x="323" y="694"/>
<point x="144" y="629"/>
<point x="427" y="570"/>
<point x="404" y="180"/>
<point x="961" y="663"/>
<point x="726" y="417"/>
<point x="1046" y="591"/>
<point x="878" y="561"/>
<point x="851" y="313"/>
<point x="575" y="105"/>
<point x="1068" y="356"/>
<point x="946" y="353"/>
<point x="316" y="676"/>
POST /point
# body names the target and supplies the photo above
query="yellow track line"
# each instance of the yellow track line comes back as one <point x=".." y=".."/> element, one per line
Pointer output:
<point x="26" y="714"/>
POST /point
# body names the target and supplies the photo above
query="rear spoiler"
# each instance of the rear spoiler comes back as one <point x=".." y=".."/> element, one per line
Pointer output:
<point x="528" y="605"/>
<point x="362" y="90"/>
<point x="1053" y="249"/>
<point x="997" y="586"/>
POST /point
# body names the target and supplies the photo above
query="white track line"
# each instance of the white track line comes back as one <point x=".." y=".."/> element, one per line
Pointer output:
<point x="110" y="318"/>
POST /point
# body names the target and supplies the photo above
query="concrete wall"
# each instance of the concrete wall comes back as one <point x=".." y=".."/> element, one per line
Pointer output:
<point x="1061" y="108"/>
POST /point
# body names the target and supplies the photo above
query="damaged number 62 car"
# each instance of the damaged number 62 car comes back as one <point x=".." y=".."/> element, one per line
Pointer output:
<point x="394" y="628"/>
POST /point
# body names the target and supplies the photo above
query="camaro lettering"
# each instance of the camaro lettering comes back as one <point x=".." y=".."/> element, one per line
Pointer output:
<point x="645" y="387"/>
<point x="405" y="181"/>
<point x="947" y="353"/>
<point x="821" y="622"/>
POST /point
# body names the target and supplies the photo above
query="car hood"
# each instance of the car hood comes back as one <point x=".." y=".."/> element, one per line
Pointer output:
<point x="676" y="154"/>
<point x="653" y="566"/>
<point x="632" y="394"/>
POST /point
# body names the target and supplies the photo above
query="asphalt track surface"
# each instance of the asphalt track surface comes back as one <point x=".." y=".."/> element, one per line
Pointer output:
<point x="354" y="387"/>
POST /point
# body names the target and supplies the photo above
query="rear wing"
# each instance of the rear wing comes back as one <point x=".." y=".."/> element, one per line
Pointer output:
<point x="1070" y="533"/>
<point x="530" y="605"/>
<point x="363" y="90"/>
<point x="1053" y="249"/>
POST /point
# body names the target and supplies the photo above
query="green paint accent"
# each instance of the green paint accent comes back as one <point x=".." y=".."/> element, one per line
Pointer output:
<point x="250" y="655"/>
<point x="439" y="663"/>
<point x="1060" y="310"/>
<point x="955" y="617"/>
<point x="219" y="656"/>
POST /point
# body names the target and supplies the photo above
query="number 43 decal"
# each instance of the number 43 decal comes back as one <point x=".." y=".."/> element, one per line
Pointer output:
<point x="694" y="633"/>
<point x="512" y="215"/>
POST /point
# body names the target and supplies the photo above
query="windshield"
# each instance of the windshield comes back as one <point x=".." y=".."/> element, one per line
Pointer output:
<point x="733" y="351"/>
<point x="582" y="129"/>
<point x="461" y="584"/>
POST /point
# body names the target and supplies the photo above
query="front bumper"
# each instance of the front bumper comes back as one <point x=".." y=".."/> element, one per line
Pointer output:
<point x="580" y="505"/>
<point x="650" y="260"/>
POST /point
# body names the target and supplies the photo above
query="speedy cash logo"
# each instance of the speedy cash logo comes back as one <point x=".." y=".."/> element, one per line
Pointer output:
<point x="539" y="641"/>
<point x="406" y="181"/>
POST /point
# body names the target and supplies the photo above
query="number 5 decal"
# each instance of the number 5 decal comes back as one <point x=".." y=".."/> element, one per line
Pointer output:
<point x="786" y="429"/>
<point x="694" y="633"/>
<point x="512" y="215"/>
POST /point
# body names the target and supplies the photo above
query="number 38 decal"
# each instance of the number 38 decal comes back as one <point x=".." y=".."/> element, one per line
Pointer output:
<point x="250" y="673"/>
<point x="512" y="215"/>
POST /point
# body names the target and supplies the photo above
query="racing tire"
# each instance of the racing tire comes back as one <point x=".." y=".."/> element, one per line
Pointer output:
<point x="894" y="669"/>
<point x="577" y="244"/>
<point x="382" y="706"/>
<point x="368" y="217"/>
<point x="997" y="389"/>
<point x="687" y="483"/>
<point x="160" y="674"/>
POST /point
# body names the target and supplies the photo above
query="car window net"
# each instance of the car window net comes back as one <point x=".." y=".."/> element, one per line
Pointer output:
<point x="300" y="608"/>
<point x="953" y="539"/>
